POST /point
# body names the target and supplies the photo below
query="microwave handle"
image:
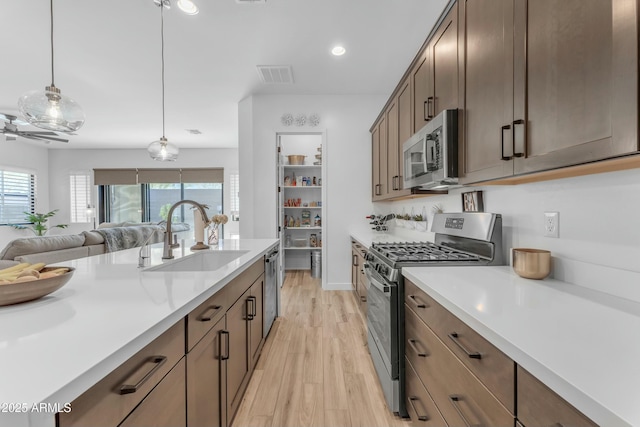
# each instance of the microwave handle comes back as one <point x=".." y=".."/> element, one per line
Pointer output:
<point x="429" y="158"/>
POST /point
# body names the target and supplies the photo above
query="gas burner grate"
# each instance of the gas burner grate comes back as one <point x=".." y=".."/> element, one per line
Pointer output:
<point x="421" y="252"/>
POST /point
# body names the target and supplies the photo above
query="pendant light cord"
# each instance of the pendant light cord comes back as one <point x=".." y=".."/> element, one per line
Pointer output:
<point x="162" y="49"/>
<point x="51" y="14"/>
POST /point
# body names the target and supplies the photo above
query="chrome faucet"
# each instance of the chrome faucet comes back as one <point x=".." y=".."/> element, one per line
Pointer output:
<point x="168" y="246"/>
<point x="141" y="257"/>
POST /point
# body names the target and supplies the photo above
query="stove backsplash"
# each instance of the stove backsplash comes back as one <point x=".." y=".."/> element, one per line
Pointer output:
<point x="598" y="244"/>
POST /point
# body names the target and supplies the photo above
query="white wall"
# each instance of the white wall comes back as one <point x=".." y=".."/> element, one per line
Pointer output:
<point x="346" y="154"/>
<point x="61" y="162"/>
<point x="599" y="242"/>
<point x="32" y="157"/>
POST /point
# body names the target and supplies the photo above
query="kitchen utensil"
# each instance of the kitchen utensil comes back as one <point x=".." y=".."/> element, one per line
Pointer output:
<point x="296" y="159"/>
<point x="531" y="263"/>
<point x="14" y="293"/>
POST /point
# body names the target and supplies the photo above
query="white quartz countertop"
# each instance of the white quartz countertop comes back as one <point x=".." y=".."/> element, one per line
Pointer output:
<point x="581" y="343"/>
<point x="55" y="348"/>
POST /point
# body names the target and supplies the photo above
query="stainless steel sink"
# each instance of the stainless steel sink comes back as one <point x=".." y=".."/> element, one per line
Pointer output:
<point x="201" y="261"/>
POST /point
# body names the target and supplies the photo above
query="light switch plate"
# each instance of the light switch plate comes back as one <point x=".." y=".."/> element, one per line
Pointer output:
<point x="551" y="224"/>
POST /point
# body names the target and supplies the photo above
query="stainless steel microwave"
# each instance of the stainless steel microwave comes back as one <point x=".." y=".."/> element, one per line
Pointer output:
<point x="430" y="156"/>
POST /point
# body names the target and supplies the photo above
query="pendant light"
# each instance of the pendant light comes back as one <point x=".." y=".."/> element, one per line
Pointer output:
<point x="162" y="150"/>
<point x="50" y="109"/>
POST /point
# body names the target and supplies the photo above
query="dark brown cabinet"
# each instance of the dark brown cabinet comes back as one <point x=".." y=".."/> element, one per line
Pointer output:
<point x="206" y="371"/>
<point x="359" y="283"/>
<point x="379" y="160"/>
<point x="547" y="84"/>
<point x="244" y="326"/>
<point x="540" y="406"/>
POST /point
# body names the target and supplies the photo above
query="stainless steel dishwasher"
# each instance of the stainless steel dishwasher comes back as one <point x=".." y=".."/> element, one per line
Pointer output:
<point x="270" y="289"/>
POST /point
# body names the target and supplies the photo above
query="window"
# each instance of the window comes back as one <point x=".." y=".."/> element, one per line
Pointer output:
<point x="17" y="196"/>
<point x="80" y="187"/>
<point x="151" y="202"/>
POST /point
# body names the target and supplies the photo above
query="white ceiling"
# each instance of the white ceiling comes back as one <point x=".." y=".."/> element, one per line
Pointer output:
<point x="107" y="58"/>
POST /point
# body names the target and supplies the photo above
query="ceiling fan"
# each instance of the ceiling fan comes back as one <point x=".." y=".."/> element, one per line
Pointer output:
<point x="11" y="131"/>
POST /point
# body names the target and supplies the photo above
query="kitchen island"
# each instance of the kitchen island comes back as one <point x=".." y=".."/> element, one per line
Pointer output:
<point x="580" y="343"/>
<point x="54" y="349"/>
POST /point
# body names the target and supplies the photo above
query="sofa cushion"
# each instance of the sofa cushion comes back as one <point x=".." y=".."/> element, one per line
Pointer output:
<point x="92" y="238"/>
<point x="55" y="256"/>
<point x="32" y="245"/>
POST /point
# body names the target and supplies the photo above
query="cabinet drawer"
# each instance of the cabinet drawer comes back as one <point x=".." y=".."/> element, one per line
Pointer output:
<point x="240" y="284"/>
<point x="490" y="365"/>
<point x="165" y="406"/>
<point x="202" y="319"/>
<point x="461" y="398"/>
<point x="104" y="404"/>
<point x="538" y="405"/>
<point x="420" y="405"/>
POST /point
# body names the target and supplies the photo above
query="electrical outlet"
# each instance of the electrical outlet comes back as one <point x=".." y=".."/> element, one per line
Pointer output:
<point x="551" y="224"/>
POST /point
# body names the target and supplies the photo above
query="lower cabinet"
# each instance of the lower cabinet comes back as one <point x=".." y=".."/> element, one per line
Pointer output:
<point x="166" y="405"/>
<point x="359" y="282"/>
<point x="538" y="405"/>
<point x="244" y="326"/>
<point x="453" y="373"/>
<point x="206" y="370"/>
<point x="194" y="374"/>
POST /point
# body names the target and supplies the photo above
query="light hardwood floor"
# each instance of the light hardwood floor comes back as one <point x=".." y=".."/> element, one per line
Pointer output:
<point x="315" y="369"/>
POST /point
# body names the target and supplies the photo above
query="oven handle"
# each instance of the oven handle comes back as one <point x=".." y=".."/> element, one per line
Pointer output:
<point x="376" y="280"/>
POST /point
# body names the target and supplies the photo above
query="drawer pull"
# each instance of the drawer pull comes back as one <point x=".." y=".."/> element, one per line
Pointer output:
<point x="363" y="298"/>
<point x="354" y="260"/>
<point x="254" y="305"/>
<point x="470" y="355"/>
<point x="454" y="399"/>
<point x="412" y="344"/>
<point x="251" y="312"/>
<point x="226" y="341"/>
<point x="129" y="388"/>
<point x="417" y="303"/>
<point x="420" y="417"/>
<point x="208" y="314"/>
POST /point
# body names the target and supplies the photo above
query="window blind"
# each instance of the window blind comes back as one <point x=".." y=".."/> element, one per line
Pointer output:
<point x="115" y="176"/>
<point x="80" y="188"/>
<point x="198" y="175"/>
<point x="17" y="196"/>
<point x="158" y="176"/>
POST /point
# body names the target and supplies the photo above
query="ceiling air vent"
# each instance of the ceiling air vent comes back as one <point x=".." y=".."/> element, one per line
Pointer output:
<point x="194" y="131"/>
<point x="275" y="74"/>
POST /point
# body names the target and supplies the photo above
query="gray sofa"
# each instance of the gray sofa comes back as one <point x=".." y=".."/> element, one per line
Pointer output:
<point x="109" y="238"/>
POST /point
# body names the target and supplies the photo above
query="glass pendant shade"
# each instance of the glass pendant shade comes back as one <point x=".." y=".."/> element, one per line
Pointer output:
<point x="51" y="110"/>
<point x="188" y="7"/>
<point x="163" y="151"/>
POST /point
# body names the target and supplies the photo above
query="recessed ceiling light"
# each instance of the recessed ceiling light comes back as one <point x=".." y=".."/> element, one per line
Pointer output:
<point x="188" y="7"/>
<point x="338" y="50"/>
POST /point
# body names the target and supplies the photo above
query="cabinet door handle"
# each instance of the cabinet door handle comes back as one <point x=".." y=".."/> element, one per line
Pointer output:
<point x="378" y="189"/>
<point x="363" y="298"/>
<point x="454" y="399"/>
<point x="226" y="341"/>
<point x="412" y="344"/>
<point x="417" y="303"/>
<point x="425" y="109"/>
<point x="517" y="153"/>
<point x="250" y="313"/>
<point x="354" y="260"/>
<point x="471" y="355"/>
<point x="208" y="314"/>
<point x="431" y="106"/>
<point x="158" y="361"/>
<point x="254" y="306"/>
<point x="505" y="127"/>
<point x="420" y="417"/>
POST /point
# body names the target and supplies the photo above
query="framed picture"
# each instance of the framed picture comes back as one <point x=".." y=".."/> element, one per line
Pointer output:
<point x="472" y="202"/>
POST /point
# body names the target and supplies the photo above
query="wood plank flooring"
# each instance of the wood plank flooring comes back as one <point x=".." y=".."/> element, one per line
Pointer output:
<point x="315" y="369"/>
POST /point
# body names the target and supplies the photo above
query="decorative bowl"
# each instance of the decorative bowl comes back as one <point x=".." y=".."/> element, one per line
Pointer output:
<point x="296" y="159"/>
<point x="531" y="263"/>
<point x="14" y="293"/>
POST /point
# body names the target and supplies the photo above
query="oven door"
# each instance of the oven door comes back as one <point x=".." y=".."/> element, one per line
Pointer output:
<point x="382" y="319"/>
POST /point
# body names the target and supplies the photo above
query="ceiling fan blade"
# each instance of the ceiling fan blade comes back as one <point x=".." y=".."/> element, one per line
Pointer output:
<point x="13" y="119"/>
<point x="41" y="137"/>
<point x="40" y="133"/>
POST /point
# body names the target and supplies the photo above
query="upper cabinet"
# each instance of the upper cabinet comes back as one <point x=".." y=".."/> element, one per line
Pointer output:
<point x="548" y="83"/>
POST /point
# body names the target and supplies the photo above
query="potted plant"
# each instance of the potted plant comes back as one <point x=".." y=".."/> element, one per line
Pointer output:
<point x="38" y="222"/>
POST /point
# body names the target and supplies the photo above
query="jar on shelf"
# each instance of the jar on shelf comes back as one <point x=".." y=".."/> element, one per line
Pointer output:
<point x="316" y="221"/>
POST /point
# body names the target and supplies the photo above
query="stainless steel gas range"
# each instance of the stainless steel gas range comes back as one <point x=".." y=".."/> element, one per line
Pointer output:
<point x="461" y="239"/>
